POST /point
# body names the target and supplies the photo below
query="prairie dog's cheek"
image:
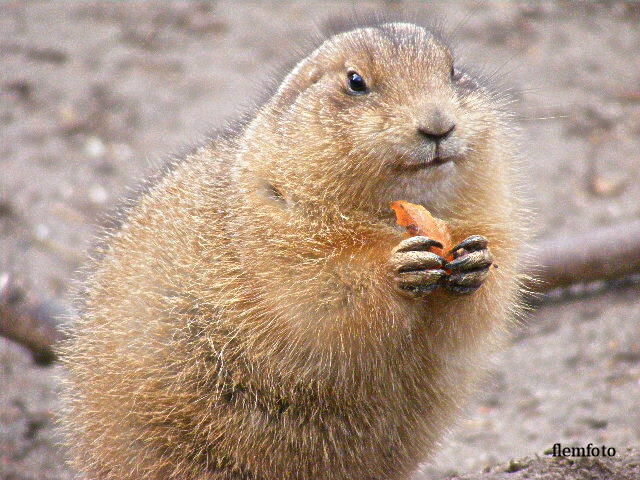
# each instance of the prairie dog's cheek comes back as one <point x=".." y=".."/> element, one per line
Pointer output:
<point x="379" y="121"/>
<point x="376" y="120"/>
<point x="371" y="131"/>
<point x="476" y="124"/>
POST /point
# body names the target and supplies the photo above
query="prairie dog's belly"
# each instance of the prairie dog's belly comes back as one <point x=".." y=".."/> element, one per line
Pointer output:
<point x="376" y="439"/>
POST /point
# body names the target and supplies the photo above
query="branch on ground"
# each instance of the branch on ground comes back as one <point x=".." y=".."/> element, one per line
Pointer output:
<point x="30" y="322"/>
<point x="602" y="254"/>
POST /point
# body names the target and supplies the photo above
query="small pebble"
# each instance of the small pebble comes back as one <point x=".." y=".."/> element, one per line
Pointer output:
<point x="94" y="147"/>
<point x="42" y="232"/>
<point x="97" y="194"/>
<point x="607" y="186"/>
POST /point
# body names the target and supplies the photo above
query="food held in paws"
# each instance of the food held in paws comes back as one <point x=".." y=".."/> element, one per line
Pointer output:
<point x="418" y="221"/>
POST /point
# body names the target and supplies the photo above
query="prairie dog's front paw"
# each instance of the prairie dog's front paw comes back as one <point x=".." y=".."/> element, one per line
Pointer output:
<point x="417" y="271"/>
<point x="470" y="265"/>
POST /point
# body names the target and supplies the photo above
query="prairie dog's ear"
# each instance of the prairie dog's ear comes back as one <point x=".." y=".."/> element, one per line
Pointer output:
<point x="304" y="74"/>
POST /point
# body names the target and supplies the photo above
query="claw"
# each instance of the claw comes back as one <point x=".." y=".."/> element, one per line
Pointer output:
<point x="480" y="259"/>
<point x="470" y="244"/>
<point x="421" y="278"/>
<point x="418" y="271"/>
<point x="416" y="260"/>
<point x="468" y="279"/>
<point x="460" y="289"/>
<point x="421" y="290"/>
<point x="416" y="244"/>
<point x="419" y="284"/>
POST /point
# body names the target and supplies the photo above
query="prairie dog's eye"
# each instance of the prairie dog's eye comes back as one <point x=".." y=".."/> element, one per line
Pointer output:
<point x="452" y="73"/>
<point x="356" y="83"/>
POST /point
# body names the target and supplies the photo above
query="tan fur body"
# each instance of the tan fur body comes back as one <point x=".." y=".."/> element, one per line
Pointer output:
<point x="243" y="323"/>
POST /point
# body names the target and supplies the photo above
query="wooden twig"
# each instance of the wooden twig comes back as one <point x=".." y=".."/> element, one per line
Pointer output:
<point x="31" y="323"/>
<point x="605" y="253"/>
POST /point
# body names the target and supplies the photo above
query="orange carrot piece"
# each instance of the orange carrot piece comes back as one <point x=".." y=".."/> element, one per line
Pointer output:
<point x="418" y="221"/>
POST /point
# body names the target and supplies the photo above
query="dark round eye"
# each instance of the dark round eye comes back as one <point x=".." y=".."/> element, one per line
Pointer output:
<point x="356" y="83"/>
<point x="453" y="73"/>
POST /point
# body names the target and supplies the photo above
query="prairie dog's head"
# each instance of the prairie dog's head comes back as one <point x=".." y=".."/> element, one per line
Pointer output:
<point x="378" y="113"/>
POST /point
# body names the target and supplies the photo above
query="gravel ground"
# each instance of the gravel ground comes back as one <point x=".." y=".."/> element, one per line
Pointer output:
<point x="94" y="95"/>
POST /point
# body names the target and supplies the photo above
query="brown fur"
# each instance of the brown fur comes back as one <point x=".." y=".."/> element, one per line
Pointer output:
<point x="243" y="323"/>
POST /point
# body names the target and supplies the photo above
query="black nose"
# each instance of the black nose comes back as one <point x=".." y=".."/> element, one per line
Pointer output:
<point x="437" y="131"/>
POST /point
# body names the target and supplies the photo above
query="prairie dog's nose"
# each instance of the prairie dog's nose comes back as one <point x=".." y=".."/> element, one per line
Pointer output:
<point x="437" y="126"/>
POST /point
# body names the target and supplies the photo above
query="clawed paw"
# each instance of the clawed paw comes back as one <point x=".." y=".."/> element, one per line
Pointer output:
<point x="470" y="265"/>
<point x="418" y="271"/>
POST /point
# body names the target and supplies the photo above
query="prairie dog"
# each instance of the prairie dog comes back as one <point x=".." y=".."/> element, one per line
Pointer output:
<point x="260" y="316"/>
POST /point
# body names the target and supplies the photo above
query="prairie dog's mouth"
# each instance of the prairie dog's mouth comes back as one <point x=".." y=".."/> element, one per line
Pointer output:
<point x="420" y="159"/>
<point x="419" y="164"/>
<point x="426" y="155"/>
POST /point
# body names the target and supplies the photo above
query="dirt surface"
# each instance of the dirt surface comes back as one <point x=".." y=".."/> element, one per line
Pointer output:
<point x="623" y="467"/>
<point x="94" y="95"/>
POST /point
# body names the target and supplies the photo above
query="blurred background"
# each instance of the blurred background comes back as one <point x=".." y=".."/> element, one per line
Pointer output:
<point x="93" y="95"/>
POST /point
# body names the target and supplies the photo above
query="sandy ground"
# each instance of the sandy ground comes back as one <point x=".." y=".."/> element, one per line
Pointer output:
<point x="94" y="95"/>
